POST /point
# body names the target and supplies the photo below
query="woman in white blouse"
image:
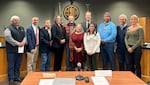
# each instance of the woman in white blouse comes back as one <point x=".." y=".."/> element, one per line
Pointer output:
<point x="92" y="46"/>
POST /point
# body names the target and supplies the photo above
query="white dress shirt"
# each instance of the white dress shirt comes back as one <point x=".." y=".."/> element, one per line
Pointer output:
<point x="34" y="28"/>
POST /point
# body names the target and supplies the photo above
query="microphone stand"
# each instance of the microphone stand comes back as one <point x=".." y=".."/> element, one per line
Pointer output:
<point x="79" y="77"/>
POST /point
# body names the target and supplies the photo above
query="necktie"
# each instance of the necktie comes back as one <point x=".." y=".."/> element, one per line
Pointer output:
<point x="88" y="24"/>
<point x="60" y="27"/>
<point x="37" y="37"/>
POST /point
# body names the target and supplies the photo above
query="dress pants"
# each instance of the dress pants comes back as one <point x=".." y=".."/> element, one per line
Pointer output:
<point x="67" y="57"/>
<point x="32" y="60"/>
<point x="58" y="58"/>
<point x="122" y="58"/>
<point x="92" y="61"/>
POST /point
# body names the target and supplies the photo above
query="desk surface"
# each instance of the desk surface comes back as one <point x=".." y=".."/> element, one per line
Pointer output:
<point x="118" y="78"/>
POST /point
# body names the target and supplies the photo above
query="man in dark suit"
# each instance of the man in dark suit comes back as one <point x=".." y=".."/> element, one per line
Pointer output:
<point x="85" y="25"/>
<point x="88" y="20"/>
<point x="45" y="46"/>
<point x="59" y="39"/>
<point x="32" y="44"/>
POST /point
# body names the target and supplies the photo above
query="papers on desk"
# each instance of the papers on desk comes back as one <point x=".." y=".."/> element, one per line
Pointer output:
<point x="46" y="81"/>
<point x="58" y="81"/>
<point x="21" y="49"/>
<point x="0" y="44"/>
<point x="64" y="81"/>
<point x="100" y="81"/>
<point x="99" y="78"/>
<point x="102" y="73"/>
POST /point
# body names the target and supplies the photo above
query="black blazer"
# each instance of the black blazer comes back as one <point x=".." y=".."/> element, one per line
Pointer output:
<point x="44" y="41"/>
<point x="84" y="25"/>
<point x="57" y="35"/>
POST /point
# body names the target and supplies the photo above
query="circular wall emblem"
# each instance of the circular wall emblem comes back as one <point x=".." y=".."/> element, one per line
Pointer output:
<point x="71" y="10"/>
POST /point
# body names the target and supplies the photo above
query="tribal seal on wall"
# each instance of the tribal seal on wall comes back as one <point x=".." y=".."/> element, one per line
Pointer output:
<point x="71" y="10"/>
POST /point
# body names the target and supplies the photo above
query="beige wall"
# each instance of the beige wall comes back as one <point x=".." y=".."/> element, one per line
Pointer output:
<point x="47" y="9"/>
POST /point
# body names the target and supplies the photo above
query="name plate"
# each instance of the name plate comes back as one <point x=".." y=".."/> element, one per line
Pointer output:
<point x="49" y="75"/>
<point x="101" y="73"/>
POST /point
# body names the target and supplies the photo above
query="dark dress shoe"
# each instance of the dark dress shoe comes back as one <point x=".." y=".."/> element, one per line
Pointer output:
<point x="17" y="83"/>
<point x="11" y="83"/>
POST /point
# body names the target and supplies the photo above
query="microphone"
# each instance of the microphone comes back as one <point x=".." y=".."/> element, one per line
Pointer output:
<point x="79" y="77"/>
<point x="79" y="65"/>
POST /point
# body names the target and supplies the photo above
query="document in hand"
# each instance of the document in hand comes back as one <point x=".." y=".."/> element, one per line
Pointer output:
<point x="21" y="49"/>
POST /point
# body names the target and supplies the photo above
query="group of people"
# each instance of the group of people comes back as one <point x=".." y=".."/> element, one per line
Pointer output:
<point x="83" y="43"/>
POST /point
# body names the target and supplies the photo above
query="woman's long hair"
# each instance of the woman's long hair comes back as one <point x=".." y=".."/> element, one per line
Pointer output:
<point x="94" y="32"/>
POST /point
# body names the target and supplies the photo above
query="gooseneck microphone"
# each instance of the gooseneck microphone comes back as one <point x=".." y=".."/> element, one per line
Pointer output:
<point x="79" y="77"/>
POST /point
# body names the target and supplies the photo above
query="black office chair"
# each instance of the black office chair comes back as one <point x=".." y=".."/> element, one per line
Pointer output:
<point x="148" y="83"/>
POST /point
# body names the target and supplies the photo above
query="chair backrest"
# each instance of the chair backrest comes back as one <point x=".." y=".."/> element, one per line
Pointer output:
<point x="148" y="83"/>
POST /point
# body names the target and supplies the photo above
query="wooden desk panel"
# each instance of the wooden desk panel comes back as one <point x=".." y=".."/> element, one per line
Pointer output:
<point x="145" y="63"/>
<point x="118" y="78"/>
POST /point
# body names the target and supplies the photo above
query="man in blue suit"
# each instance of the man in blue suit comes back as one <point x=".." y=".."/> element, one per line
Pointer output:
<point x="32" y="45"/>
